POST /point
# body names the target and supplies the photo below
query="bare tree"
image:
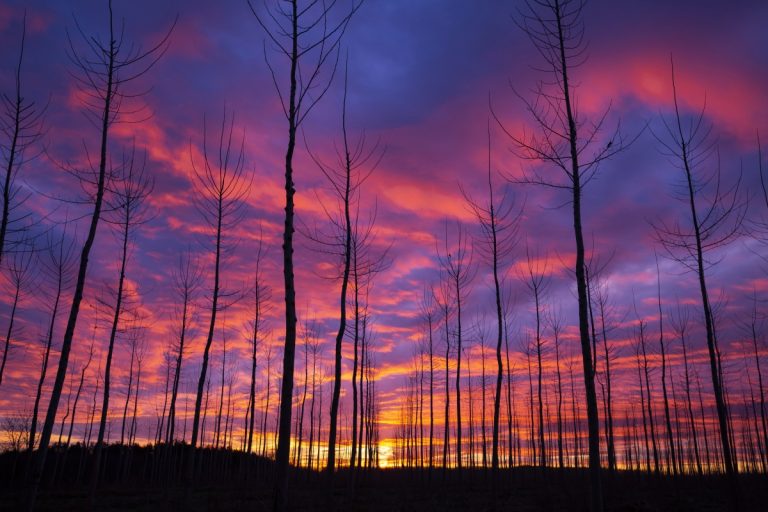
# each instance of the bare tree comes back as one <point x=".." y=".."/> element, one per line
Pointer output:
<point x="499" y="223"/>
<point x="21" y="273"/>
<point x="83" y="370"/>
<point x="128" y="202"/>
<point x="220" y="188"/>
<point x="754" y="328"/>
<point x="575" y="147"/>
<point x="598" y="294"/>
<point x="217" y="433"/>
<point x="261" y="297"/>
<point x="309" y="38"/>
<point x="536" y="279"/>
<point x="102" y="76"/>
<point x="428" y="313"/>
<point x="555" y="321"/>
<point x="444" y="303"/>
<point x="186" y="283"/>
<point x="680" y="326"/>
<point x="21" y="124"/>
<point x="716" y="215"/>
<point x="310" y="334"/>
<point x="354" y="164"/>
<point x="663" y="350"/>
<point x="139" y="340"/>
<point x="641" y="347"/>
<point x="456" y="262"/>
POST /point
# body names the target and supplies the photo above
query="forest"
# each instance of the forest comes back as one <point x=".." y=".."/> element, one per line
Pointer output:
<point x="382" y="255"/>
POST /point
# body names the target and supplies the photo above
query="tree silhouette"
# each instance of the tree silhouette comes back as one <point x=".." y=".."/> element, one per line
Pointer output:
<point x="220" y="189"/>
<point x="21" y="125"/>
<point x="715" y="220"/>
<point x="186" y="283"/>
<point x="21" y="274"/>
<point x="456" y="263"/>
<point x="128" y="202"/>
<point x="573" y="146"/>
<point x="105" y="69"/>
<point x="309" y="38"/>
<point x="499" y="223"/>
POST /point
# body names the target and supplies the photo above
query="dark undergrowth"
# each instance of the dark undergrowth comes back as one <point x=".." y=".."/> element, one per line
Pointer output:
<point x="152" y="479"/>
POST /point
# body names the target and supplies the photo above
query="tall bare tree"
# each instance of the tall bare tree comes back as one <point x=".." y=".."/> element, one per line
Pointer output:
<point x="456" y="262"/>
<point x="754" y="328"/>
<point x="104" y="70"/>
<point x="499" y="223"/>
<point x="536" y="279"/>
<point x="83" y="370"/>
<point x="308" y="37"/>
<point x="128" y="205"/>
<point x="21" y="272"/>
<point x="672" y="462"/>
<point x="355" y="162"/>
<point x="681" y="325"/>
<point x="186" y="283"/>
<point x="21" y="126"/>
<point x="261" y="297"/>
<point x="716" y="216"/>
<point x="428" y="313"/>
<point x="220" y="188"/>
<point x="599" y="295"/>
<point x="556" y="326"/>
<point x="575" y="147"/>
<point x="445" y="304"/>
<point x="641" y="349"/>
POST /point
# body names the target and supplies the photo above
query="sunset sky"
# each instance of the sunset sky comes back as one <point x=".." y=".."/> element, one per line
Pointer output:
<point x="421" y="78"/>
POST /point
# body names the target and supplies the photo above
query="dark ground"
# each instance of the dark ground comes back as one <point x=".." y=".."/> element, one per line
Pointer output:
<point x="233" y="486"/>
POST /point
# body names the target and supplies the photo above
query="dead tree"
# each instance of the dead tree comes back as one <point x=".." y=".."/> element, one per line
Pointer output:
<point x="268" y="392"/>
<point x="220" y="189"/>
<point x="649" y="399"/>
<point x="365" y="266"/>
<point x="21" y="272"/>
<point x="456" y="262"/>
<point x="261" y="299"/>
<point x="663" y="350"/>
<point x="309" y="38"/>
<point x="21" y="125"/>
<point x="647" y="447"/>
<point x="680" y="326"/>
<point x="314" y="348"/>
<point x="528" y="348"/>
<point x="575" y="147"/>
<point x="716" y="216"/>
<point x="428" y="313"/>
<point x="355" y="162"/>
<point x="536" y="279"/>
<point x="311" y="335"/>
<point x="556" y="326"/>
<point x="77" y="394"/>
<point x="137" y="339"/>
<point x="444" y="303"/>
<point x="186" y="283"/>
<point x="499" y="223"/>
<point x="754" y="328"/>
<point x="482" y="337"/>
<point x="510" y="394"/>
<point x="105" y="69"/>
<point x="128" y="207"/>
<point x="217" y="433"/>
<point x="599" y="295"/>
<point x="133" y="347"/>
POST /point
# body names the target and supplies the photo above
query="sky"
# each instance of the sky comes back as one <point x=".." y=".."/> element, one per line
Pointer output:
<point x="425" y="80"/>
